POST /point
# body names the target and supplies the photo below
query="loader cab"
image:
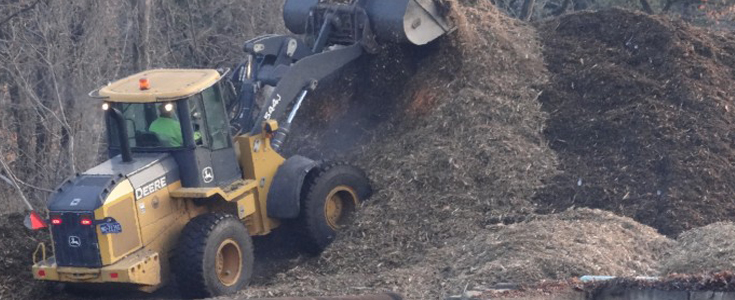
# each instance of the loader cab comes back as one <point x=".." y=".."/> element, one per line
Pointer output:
<point x="179" y="112"/>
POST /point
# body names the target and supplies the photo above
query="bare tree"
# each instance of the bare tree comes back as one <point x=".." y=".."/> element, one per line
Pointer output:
<point x="527" y="9"/>
<point x="647" y="7"/>
<point x="52" y="53"/>
<point x="141" y="51"/>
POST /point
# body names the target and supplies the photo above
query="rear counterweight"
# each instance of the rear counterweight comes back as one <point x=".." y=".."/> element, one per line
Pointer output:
<point x="75" y="244"/>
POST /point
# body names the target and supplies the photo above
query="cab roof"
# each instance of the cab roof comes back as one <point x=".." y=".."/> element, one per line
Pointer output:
<point x="164" y="85"/>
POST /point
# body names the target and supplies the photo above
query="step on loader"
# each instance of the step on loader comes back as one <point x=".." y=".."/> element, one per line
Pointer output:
<point x="194" y="168"/>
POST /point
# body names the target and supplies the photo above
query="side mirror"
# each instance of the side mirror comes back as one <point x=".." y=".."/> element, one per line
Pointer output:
<point x="33" y="221"/>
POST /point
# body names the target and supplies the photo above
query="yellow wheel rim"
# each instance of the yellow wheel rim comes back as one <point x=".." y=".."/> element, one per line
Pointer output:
<point x="339" y="206"/>
<point x="229" y="262"/>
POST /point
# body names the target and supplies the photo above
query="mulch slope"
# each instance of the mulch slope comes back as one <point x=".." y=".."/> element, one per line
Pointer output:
<point x="705" y="249"/>
<point x="544" y="247"/>
<point x="16" y="258"/>
<point x="641" y="116"/>
<point x="713" y="281"/>
<point x="561" y="246"/>
<point x="456" y="148"/>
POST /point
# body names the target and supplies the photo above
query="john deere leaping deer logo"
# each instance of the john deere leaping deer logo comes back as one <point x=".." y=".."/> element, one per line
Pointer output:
<point x="75" y="241"/>
<point x="207" y="175"/>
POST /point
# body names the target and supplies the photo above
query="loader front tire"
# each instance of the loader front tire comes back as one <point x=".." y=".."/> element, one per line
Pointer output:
<point x="214" y="257"/>
<point x="332" y="194"/>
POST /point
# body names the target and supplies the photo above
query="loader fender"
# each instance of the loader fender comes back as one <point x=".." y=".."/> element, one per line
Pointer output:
<point x="284" y="197"/>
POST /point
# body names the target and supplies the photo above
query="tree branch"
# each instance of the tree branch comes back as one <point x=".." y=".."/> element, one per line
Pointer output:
<point x="647" y="7"/>
<point x="22" y="10"/>
<point x="668" y="5"/>
<point x="527" y="10"/>
<point x="562" y="9"/>
<point x="12" y="181"/>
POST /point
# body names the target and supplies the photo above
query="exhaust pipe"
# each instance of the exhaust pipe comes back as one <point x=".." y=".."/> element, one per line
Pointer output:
<point x="386" y="296"/>
<point x="125" y="152"/>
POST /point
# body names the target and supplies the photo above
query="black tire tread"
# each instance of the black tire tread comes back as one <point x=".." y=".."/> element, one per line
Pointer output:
<point x="310" y="225"/>
<point x="188" y="264"/>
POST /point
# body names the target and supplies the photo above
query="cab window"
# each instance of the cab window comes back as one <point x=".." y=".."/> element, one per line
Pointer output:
<point x="216" y="119"/>
<point x="195" y="110"/>
<point x="150" y="126"/>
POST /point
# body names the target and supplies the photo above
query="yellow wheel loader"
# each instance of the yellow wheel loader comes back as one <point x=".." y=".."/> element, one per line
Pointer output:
<point x="195" y="170"/>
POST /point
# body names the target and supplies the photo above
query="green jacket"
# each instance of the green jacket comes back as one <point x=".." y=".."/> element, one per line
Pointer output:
<point x="168" y="131"/>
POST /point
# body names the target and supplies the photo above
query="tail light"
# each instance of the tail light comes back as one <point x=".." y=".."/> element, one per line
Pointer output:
<point x="86" y="221"/>
<point x="56" y="221"/>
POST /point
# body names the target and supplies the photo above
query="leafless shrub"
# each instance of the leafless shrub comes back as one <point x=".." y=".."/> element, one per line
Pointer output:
<point x="52" y="53"/>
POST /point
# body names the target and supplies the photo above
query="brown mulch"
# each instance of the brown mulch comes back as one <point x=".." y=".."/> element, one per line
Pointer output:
<point x="715" y="281"/>
<point x="705" y="249"/>
<point x="545" y="247"/>
<point x="642" y="118"/>
<point x="17" y="244"/>
<point x="561" y="246"/>
<point x="454" y="146"/>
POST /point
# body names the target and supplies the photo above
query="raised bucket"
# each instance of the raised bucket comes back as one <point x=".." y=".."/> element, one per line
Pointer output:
<point x="400" y="21"/>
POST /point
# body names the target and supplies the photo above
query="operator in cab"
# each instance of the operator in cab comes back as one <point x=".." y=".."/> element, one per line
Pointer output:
<point x="167" y="127"/>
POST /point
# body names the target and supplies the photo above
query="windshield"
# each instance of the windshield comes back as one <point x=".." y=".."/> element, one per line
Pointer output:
<point x="149" y="125"/>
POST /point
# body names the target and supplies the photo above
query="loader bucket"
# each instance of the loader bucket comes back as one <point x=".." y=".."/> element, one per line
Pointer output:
<point x="415" y="21"/>
<point x="399" y="21"/>
<point x="296" y="14"/>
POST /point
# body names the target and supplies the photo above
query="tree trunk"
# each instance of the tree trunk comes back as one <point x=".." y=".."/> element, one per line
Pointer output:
<point x="668" y="5"/>
<point x="527" y="9"/>
<point x="23" y="138"/>
<point x="41" y="129"/>
<point x="563" y="8"/>
<point x="580" y="5"/>
<point x="647" y="7"/>
<point x="141" y="49"/>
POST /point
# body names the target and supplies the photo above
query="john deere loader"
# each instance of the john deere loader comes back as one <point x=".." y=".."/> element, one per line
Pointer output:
<point x="194" y="167"/>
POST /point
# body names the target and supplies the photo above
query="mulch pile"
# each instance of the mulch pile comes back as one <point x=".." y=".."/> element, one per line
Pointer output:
<point x="544" y="247"/>
<point x="642" y="116"/>
<point x="560" y="246"/>
<point x="705" y="249"/>
<point x="714" y="281"/>
<point x="453" y="141"/>
<point x="638" y="110"/>
<point x="16" y="258"/>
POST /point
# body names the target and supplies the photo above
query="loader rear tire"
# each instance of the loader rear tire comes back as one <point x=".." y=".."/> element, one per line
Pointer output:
<point x="214" y="257"/>
<point x="331" y="195"/>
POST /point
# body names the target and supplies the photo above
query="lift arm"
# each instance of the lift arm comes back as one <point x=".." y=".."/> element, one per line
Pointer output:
<point x="333" y="35"/>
